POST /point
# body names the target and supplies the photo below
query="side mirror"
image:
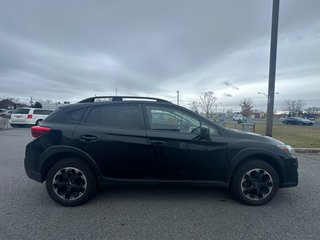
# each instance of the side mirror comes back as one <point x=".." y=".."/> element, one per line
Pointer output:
<point x="204" y="133"/>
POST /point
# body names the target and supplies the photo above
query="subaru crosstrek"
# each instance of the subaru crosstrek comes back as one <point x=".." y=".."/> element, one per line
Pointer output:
<point x="125" y="140"/>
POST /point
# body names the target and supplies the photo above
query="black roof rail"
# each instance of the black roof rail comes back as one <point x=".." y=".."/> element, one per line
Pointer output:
<point x="120" y="98"/>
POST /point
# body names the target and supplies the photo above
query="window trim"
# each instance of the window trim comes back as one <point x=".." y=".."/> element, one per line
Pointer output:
<point x="202" y="120"/>
<point x="147" y="118"/>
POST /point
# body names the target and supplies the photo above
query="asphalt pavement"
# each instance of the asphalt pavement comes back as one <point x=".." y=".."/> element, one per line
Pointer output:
<point x="27" y="212"/>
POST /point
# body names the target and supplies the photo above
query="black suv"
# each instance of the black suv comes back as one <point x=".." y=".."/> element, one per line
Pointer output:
<point x="121" y="140"/>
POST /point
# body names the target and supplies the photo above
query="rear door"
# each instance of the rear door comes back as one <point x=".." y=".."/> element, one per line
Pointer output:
<point x="114" y="136"/>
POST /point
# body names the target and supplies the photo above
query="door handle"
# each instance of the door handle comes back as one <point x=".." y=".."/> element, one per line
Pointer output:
<point x="158" y="143"/>
<point x="88" y="138"/>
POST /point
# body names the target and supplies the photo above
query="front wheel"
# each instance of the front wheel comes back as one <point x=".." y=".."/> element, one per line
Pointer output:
<point x="71" y="182"/>
<point x="255" y="183"/>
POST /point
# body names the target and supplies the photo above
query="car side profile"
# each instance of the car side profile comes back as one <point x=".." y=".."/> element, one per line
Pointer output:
<point x="134" y="140"/>
<point x="28" y="116"/>
<point x="297" y="121"/>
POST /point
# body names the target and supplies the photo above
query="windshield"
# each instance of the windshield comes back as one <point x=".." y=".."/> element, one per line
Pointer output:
<point x="21" y="111"/>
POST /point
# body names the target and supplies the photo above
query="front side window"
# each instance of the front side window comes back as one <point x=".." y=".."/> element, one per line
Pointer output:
<point x="120" y="117"/>
<point x="169" y="119"/>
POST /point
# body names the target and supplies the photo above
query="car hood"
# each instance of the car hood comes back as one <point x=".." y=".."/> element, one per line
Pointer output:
<point x="252" y="136"/>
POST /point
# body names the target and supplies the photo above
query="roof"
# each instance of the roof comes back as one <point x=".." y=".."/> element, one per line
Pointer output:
<point x="121" y="98"/>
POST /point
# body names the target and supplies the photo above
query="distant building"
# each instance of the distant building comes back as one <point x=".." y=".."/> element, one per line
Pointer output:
<point x="281" y="114"/>
<point x="8" y="104"/>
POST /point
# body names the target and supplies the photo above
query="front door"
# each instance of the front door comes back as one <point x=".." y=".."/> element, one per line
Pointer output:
<point x="178" y="153"/>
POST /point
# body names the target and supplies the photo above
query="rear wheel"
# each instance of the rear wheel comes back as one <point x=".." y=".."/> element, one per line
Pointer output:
<point x="255" y="182"/>
<point x="71" y="182"/>
<point x="38" y="122"/>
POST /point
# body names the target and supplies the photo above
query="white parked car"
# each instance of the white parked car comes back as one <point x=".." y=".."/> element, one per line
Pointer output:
<point x="238" y="117"/>
<point x="2" y="112"/>
<point x="28" y="116"/>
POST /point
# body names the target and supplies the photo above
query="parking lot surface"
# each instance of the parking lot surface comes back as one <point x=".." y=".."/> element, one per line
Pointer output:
<point x="27" y="212"/>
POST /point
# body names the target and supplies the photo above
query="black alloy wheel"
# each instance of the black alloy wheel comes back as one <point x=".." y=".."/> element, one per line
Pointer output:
<point x="71" y="182"/>
<point x="255" y="182"/>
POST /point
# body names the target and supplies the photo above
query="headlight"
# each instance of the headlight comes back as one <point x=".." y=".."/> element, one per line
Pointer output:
<point x="287" y="149"/>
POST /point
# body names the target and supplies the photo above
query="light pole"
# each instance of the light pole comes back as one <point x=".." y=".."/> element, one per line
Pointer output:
<point x="264" y="94"/>
<point x="178" y="97"/>
<point x="272" y="66"/>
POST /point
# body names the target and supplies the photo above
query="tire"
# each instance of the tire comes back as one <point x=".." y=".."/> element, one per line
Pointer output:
<point x="38" y="122"/>
<point x="71" y="182"/>
<point x="255" y="183"/>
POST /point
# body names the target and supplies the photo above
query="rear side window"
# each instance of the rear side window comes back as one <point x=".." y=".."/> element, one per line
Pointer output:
<point x="21" y="111"/>
<point x="120" y="117"/>
<point x="64" y="116"/>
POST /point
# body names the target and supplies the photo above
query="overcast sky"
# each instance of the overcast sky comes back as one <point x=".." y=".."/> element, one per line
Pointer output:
<point x="70" y="50"/>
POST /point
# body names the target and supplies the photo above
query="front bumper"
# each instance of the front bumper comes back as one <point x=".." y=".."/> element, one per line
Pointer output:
<point x="290" y="176"/>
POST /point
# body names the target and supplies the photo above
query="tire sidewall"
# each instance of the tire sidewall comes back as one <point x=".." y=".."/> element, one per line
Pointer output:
<point x="86" y="170"/>
<point x="38" y="122"/>
<point x="242" y="170"/>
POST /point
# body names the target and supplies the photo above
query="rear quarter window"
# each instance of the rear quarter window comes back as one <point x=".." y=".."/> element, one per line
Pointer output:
<point x="66" y="116"/>
<point x="76" y="116"/>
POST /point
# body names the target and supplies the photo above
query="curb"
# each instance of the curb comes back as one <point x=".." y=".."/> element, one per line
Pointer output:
<point x="307" y="150"/>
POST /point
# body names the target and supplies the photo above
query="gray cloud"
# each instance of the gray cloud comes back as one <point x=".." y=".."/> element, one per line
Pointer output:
<point x="69" y="49"/>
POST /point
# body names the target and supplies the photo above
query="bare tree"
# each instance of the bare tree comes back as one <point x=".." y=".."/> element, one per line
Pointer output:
<point x="246" y="105"/>
<point x="15" y="100"/>
<point x="293" y="106"/>
<point x="313" y="110"/>
<point x="207" y="102"/>
<point x="47" y="102"/>
<point x="194" y="106"/>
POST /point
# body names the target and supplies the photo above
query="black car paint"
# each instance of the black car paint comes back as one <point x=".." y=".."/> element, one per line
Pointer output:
<point x="118" y="156"/>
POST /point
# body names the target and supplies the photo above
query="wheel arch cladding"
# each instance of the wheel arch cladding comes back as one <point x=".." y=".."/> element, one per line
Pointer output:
<point x="52" y="156"/>
<point x="271" y="159"/>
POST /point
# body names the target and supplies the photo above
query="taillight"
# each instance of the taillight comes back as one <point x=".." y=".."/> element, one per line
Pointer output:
<point x="37" y="131"/>
<point x="29" y="116"/>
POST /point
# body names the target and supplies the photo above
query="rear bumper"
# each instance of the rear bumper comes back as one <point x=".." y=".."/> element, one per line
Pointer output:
<point x="34" y="175"/>
<point x="29" y="122"/>
<point x="31" y="162"/>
